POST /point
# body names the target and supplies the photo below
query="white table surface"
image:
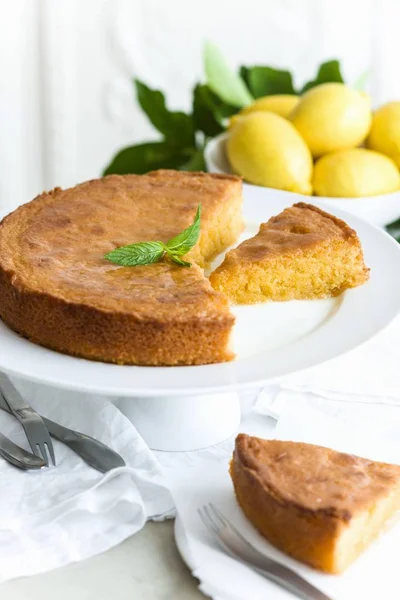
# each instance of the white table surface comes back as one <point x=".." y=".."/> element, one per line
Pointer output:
<point x="146" y="566"/>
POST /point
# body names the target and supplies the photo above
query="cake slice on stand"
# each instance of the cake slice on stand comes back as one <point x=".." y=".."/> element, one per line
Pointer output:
<point x="302" y="253"/>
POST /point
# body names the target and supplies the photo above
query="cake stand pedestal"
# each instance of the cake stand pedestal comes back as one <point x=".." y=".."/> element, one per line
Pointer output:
<point x="179" y="424"/>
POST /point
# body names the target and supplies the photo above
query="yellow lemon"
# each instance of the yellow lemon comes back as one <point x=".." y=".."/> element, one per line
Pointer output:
<point x="280" y="104"/>
<point x="332" y="117"/>
<point x="267" y="150"/>
<point x="354" y="173"/>
<point x="385" y="131"/>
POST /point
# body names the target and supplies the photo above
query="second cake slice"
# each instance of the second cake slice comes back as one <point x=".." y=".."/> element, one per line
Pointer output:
<point x="302" y="253"/>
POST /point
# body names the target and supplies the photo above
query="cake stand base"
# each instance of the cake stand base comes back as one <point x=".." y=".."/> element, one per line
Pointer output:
<point x="179" y="424"/>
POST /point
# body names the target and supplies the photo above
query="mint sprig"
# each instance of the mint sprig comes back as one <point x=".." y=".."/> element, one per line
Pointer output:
<point x="146" y="253"/>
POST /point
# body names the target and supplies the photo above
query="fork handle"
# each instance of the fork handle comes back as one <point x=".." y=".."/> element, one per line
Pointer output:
<point x="95" y="453"/>
<point x="294" y="584"/>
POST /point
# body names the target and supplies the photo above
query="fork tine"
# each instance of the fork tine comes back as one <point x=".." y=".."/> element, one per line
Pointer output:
<point x="43" y="453"/>
<point x="212" y="519"/>
<point x="50" y="451"/>
<point x="218" y="515"/>
<point x="230" y="525"/>
<point x="206" y="521"/>
<point x="46" y="445"/>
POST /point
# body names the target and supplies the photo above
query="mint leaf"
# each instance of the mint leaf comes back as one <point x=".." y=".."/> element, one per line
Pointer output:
<point x="228" y="86"/>
<point x="143" y="253"/>
<point x="147" y="157"/>
<point x="175" y="258"/>
<point x="266" y="81"/>
<point x="327" y="72"/>
<point x="177" y="127"/>
<point x="146" y="253"/>
<point x="183" y="242"/>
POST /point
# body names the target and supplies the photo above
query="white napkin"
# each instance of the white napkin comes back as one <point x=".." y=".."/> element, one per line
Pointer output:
<point x="55" y="516"/>
<point x="369" y="374"/>
<point x="313" y="420"/>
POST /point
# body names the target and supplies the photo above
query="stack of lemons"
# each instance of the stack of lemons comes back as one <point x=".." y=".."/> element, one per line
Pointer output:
<point x="326" y="142"/>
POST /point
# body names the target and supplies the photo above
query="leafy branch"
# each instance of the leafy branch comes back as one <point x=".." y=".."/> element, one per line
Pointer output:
<point x="185" y="135"/>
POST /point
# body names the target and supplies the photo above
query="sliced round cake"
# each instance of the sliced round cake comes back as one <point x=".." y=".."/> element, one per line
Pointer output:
<point x="58" y="290"/>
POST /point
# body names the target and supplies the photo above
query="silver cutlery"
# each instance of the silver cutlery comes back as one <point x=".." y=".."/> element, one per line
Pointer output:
<point x="234" y="544"/>
<point x="34" y="427"/>
<point x="94" y="453"/>
<point x="19" y="457"/>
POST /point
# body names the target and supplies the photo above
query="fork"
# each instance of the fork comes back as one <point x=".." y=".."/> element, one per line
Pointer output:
<point x="34" y="427"/>
<point x="234" y="544"/>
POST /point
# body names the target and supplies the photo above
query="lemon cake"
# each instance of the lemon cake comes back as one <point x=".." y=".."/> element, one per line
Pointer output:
<point x="302" y="253"/>
<point x="58" y="290"/>
<point x="320" y="506"/>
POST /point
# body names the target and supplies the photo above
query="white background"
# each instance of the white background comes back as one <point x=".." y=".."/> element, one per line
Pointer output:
<point x="66" y="94"/>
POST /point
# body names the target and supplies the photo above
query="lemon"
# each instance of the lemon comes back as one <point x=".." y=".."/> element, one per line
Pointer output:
<point x="332" y="117"/>
<point x="353" y="173"/>
<point x="280" y="104"/>
<point x="385" y="131"/>
<point x="267" y="150"/>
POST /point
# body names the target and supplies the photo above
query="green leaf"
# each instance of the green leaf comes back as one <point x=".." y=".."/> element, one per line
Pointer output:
<point x="266" y="81"/>
<point x="361" y="82"/>
<point x="209" y="111"/>
<point x="183" y="263"/>
<point x="244" y="74"/>
<point x="177" y="127"/>
<point x="394" y="229"/>
<point x="143" y="253"/>
<point x="327" y="72"/>
<point x="182" y="243"/>
<point x="195" y="163"/>
<point x="228" y="86"/>
<point x="206" y="116"/>
<point x="147" y="157"/>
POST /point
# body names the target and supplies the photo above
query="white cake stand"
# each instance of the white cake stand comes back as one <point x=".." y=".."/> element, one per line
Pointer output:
<point x="186" y="408"/>
<point x="183" y="423"/>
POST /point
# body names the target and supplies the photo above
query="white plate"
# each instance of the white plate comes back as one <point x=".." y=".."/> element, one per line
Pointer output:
<point x="271" y="340"/>
<point x="183" y="545"/>
<point x="379" y="210"/>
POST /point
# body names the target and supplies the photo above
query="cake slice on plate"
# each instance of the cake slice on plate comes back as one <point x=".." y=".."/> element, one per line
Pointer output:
<point x="320" y="506"/>
<point x="302" y="253"/>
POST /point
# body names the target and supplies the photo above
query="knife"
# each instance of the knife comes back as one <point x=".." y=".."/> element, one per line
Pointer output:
<point x="19" y="457"/>
<point x="94" y="453"/>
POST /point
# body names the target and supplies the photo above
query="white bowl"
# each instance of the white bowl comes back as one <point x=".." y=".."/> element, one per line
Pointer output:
<point x="378" y="210"/>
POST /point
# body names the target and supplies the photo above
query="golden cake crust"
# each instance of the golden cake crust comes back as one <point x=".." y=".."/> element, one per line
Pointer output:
<point x="57" y="289"/>
<point x="315" y="479"/>
<point x="305" y="499"/>
<point x="299" y="227"/>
